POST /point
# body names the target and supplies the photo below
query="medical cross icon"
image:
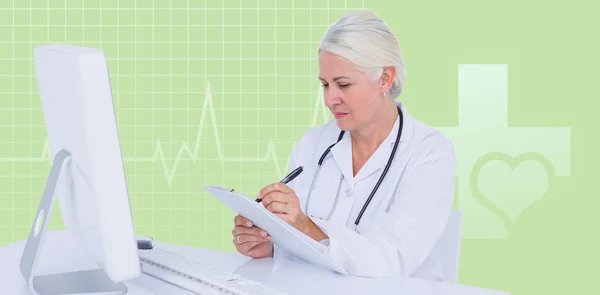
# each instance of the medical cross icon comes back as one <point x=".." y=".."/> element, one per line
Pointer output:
<point x="488" y="150"/>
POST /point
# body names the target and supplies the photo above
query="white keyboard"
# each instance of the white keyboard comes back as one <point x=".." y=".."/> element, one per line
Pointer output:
<point x="199" y="278"/>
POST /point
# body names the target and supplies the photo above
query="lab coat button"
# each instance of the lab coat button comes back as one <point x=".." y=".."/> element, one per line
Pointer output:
<point x="349" y="192"/>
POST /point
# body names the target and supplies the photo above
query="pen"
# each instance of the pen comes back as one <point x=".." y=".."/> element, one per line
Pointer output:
<point x="289" y="177"/>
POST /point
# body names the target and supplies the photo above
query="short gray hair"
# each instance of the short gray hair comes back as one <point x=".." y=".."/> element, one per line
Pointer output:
<point x="365" y="40"/>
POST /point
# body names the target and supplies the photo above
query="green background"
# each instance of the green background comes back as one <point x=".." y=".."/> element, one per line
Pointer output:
<point x="208" y="93"/>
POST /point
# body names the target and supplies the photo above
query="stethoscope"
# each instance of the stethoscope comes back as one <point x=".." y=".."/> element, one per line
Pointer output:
<point x="385" y="170"/>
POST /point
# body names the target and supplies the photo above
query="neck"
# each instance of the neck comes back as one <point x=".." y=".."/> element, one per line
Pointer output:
<point x="368" y="138"/>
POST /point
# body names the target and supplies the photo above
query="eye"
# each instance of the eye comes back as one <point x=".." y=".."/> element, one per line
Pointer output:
<point x="325" y="85"/>
<point x="344" y="85"/>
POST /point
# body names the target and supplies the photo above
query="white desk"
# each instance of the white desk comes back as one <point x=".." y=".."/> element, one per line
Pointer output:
<point x="64" y="254"/>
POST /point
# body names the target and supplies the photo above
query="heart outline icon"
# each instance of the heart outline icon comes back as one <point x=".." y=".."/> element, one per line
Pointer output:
<point x="512" y="162"/>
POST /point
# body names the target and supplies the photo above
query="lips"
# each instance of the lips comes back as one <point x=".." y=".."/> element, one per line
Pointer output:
<point x="339" y="115"/>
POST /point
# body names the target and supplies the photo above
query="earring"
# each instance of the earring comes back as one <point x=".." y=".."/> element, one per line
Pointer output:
<point x="384" y="94"/>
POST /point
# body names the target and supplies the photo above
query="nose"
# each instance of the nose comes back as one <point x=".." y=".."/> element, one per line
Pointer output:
<point x="332" y="97"/>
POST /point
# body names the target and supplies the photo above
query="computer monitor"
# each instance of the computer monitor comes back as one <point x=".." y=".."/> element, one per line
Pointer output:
<point x="87" y="174"/>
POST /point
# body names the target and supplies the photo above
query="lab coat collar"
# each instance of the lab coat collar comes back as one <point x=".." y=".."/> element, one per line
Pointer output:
<point x="342" y="152"/>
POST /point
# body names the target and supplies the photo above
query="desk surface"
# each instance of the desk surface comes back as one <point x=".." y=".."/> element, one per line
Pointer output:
<point x="294" y="276"/>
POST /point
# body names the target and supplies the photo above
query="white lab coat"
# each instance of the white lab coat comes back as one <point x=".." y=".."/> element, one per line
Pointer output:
<point x="398" y="233"/>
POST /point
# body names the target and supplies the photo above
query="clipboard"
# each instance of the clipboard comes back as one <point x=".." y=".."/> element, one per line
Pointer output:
<point x="282" y="234"/>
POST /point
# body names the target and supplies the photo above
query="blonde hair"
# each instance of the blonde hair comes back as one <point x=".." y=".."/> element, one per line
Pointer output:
<point x="365" y="40"/>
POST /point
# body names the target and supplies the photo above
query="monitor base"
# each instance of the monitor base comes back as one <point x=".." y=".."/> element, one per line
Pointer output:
<point x="93" y="281"/>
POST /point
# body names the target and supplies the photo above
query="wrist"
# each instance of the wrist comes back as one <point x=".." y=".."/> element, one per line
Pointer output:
<point x="312" y="230"/>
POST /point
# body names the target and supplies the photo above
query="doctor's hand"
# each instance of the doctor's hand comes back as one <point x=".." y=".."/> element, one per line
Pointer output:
<point x="282" y="201"/>
<point x="251" y="240"/>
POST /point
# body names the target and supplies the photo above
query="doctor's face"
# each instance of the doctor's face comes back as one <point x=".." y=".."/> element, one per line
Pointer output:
<point x="349" y="94"/>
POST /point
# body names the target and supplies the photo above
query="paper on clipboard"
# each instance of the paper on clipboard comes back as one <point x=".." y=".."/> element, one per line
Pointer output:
<point x="282" y="234"/>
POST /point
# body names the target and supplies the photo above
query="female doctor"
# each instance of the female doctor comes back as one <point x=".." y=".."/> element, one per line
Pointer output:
<point x="378" y="185"/>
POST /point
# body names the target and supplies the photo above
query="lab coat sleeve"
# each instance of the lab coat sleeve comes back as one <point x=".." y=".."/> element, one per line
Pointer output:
<point x="398" y="241"/>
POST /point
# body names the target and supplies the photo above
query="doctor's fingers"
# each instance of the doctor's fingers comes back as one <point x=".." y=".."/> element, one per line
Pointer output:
<point x="277" y="207"/>
<point x="281" y="197"/>
<point x="245" y="247"/>
<point x="255" y="231"/>
<point x="243" y="221"/>
<point x="247" y="238"/>
<point x="255" y="249"/>
<point x="277" y="186"/>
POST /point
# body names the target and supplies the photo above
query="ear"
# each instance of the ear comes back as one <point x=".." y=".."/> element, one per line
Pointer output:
<point x="387" y="79"/>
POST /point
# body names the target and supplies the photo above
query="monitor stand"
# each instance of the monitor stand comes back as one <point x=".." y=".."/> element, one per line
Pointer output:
<point x="93" y="281"/>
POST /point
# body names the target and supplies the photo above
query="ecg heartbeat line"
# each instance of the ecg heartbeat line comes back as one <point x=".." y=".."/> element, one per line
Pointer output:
<point x="208" y="110"/>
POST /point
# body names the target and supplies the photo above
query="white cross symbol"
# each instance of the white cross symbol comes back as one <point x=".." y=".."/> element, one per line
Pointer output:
<point x="483" y="136"/>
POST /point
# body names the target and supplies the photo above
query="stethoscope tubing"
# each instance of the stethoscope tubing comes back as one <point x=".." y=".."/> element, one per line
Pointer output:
<point x="375" y="188"/>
